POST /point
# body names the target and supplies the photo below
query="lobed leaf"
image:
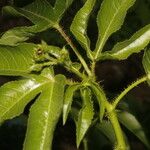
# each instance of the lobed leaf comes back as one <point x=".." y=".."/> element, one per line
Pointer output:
<point x="135" y="44"/>
<point x="85" y="115"/>
<point x="146" y="63"/>
<point x="15" y="95"/>
<point x="109" y="20"/>
<point x="44" y="115"/>
<point x="16" y="35"/>
<point x="68" y="98"/>
<point x="79" y="25"/>
<point x="132" y="124"/>
<point x="40" y="13"/>
<point x="16" y="60"/>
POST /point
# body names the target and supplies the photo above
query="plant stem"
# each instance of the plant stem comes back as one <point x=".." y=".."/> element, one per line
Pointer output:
<point x="130" y="87"/>
<point x="75" y="71"/>
<point x="117" y="129"/>
<point x="65" y="36"/>
<point x="113" y="119"/>
<point x="85" y="144"/>
<point x="93" y="69"/>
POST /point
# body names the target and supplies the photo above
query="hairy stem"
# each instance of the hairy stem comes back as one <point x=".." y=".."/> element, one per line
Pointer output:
<point x="65" y="36"/>
<point x="85" y="144"/>
<point x="75" y="71"/>
<point x="93" y="69"/>
<point x="130" y="87"/>
<point x="120" y="145"/>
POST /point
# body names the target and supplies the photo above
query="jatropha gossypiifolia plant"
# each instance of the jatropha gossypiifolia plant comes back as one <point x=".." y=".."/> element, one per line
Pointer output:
<point x="54" y="93"/>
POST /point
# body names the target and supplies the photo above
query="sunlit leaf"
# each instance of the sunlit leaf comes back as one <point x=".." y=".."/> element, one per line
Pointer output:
<point x="15" y="95"/>
<point x="135" y="44"/>
<point x="16" y="60"/>
<point x="79" y="25"/>
<point x="109" y="20"/>
<point x="68" y="98"/>
<point x="44" y="115"/>
<point x="40" y="13"/>
<point x="100" y="96"/>
<point x="85" y="115"/>
<point x="16" y="35"/>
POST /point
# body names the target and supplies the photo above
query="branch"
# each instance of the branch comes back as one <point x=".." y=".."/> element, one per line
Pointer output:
<point x="129" y="88"/>
<point x="68" y="40"/>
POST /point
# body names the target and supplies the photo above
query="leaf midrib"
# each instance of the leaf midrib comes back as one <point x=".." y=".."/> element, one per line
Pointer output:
<point x="103" y="39"/>
<point x="22" y="97"/>
<point x="47" y="119"/>
<point x="125" y="49"/>
<point x="42" y="17"/>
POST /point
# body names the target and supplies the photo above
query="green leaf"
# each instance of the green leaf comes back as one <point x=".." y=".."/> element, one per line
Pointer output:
<point x="132" y="124"/>
<point x="106" y="128"/>
<point x="100" y="98"/>
<point x="109" y="20"/>
<point x="135" y="44"/>
<point x="44" y="115"/>
<point x="15" y="95"/>
<point x="146" y="63"/>
<point x="79" y="25"/>
<point x="85" y="115"/>
<point x="40" y="13"/>
<point x="68" y="98"/>
<point x="60" y="7"/>
<point x="16" y="35"/>
<point x="16" y="60"/>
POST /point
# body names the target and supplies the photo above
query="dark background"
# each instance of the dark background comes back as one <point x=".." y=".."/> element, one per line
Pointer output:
<point x="113" y="75"/>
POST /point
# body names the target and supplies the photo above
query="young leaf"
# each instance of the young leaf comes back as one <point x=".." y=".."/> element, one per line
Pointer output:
<point x="146" y="63"/>
<point x="100" y="98"/>
<point x="68" y="98"/>
<point x="15" y="95"/>
<point x="85" y="115"/>
<point x="40" y="13"/>
<point x="79" y="25"/>
<point x="135" y="44"/>
<point x="131" y="123"/>
<point x="109" y="20"/>
<point x="44" y="115"/>
<point x="16" y="60"/>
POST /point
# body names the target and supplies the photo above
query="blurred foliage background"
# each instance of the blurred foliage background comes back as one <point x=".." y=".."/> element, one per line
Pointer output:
<point x="113" y="75"/>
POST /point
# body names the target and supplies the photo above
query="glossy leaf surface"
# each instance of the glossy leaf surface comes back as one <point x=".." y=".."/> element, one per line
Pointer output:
<point x="15" y="95"/>
<point x="135" y="44"/>
<point x="40" y="13"/>
<point x="146" y="63"/>
<point x="79" y="25"/>
<point x="132" y="124"/>
<point x="100" y="98"/>
<point x="109" y="20"/>
<point x="16" y="35"/>
<point x="16" y="60"/>
<point x="68" y="98"/>
<point x="85" y="115"/>
<point x="44" y="115"/>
